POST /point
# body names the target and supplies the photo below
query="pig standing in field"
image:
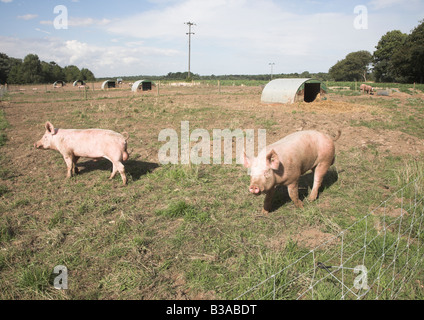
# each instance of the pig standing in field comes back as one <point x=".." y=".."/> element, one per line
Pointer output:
<point x="89" y="143"/>
<point x="366" y="88"/>
<point x="369" y="89"/>
<point x="283" y="162"/>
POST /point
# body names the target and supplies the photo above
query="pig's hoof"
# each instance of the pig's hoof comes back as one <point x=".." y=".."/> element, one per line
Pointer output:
<point x="265" y="212"/>
<point x="312" y="198"/>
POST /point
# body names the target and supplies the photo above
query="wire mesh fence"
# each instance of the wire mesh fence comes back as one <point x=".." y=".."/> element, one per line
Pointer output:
<point x="380" y="256"/>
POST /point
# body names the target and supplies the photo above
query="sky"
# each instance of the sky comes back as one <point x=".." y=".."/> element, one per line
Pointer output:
<point x="149" y="37"/>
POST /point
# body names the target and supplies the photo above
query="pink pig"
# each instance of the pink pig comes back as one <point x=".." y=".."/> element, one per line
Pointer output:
<point x="366" y="88"/>
<point x="283" y="162"/>
<point x="89" y="143"/>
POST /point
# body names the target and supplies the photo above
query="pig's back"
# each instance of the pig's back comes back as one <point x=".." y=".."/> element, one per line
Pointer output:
<point x="92" y="143"/>
<point x="304" y="149"/>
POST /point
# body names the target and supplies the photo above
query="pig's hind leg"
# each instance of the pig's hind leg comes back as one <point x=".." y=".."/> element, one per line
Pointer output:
<point x="293" y="190"/>
<point x="319" y="172"/>
<point x="118" y="166"/>
<point x="75" y="169"/>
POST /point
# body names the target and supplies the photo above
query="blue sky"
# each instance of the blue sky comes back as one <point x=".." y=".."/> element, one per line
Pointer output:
<point x="124" y="38"/>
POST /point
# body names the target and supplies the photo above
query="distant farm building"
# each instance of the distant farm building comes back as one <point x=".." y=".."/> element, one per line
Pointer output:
<point x="108" y="84"/>
<point x="78" y="83"/>
<point x="142" y="85"/>
<point x="292" y="90"/>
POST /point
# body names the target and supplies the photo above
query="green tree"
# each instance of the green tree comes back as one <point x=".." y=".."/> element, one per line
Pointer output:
<point x="87" y="75"/>
<point x="5" y="66"/>
<point x="384" y="69"/>
<point x="72" y="73"/>
<point x="52" y="72"/>
<point x="57" y="72"/>
<point x="15" y="72"/>
<point x="415" y="54"/>
<point x="31" y="69"/>
<point x="356" y="66"/>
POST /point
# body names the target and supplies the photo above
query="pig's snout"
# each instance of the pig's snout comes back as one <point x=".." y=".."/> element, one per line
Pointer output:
<point x="254" y="190"/>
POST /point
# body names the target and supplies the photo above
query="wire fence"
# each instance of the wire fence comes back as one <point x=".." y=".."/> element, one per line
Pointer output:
<point x="380" y="256"/>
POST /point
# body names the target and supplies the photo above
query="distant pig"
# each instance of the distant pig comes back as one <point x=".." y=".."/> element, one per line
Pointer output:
<point x="366" y="88"/>
<point x="89" y="143"/>
<point x="283" y="162"/>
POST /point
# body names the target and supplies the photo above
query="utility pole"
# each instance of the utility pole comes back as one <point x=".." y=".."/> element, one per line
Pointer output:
<point x="189" y="43"/>
<point x="271" y="64"/>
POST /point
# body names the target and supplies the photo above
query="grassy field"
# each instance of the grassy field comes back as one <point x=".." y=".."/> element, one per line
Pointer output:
<point x="188" y="231"/>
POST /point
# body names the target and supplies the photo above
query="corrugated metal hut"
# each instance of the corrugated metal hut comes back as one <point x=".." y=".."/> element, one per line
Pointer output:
<point x="58" y="84"/>
<point x="108" y="84"/>
<point x="143" y="85"/>
<point x="291" y="90"/>
<point x="78" y="83"/>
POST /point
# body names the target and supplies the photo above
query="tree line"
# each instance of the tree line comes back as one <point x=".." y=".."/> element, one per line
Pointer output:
<point x="398" y="57"/>
<point x="31" y="70"/>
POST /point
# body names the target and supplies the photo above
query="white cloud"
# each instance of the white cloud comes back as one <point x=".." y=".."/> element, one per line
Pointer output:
<point x="84" y="22"/>
<point x="240" y="35"/>
<point x="43" y="31"/>
<point x="231" y="36"/>
<point x="383" y="4"/>
<point x="28" y="16"/>
<point x="80" y="22"/>
<point x="6" y="1"/>
<point x="102" y="61"/>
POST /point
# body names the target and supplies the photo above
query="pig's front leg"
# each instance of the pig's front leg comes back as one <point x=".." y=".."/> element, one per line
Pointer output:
<point x="268" y="201"/>
<point x="71" y="161"/>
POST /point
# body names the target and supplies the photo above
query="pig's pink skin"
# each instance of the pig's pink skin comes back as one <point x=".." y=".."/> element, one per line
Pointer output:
<point x="366" y="88"/>
<point x="89" y="143"/>
<point x="283" y="162"/>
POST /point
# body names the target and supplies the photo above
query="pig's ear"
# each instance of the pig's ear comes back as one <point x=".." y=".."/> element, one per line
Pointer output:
<point x="246" y="161"/>
<point x="272" y="160"/>
<point x="50" y="128"/>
